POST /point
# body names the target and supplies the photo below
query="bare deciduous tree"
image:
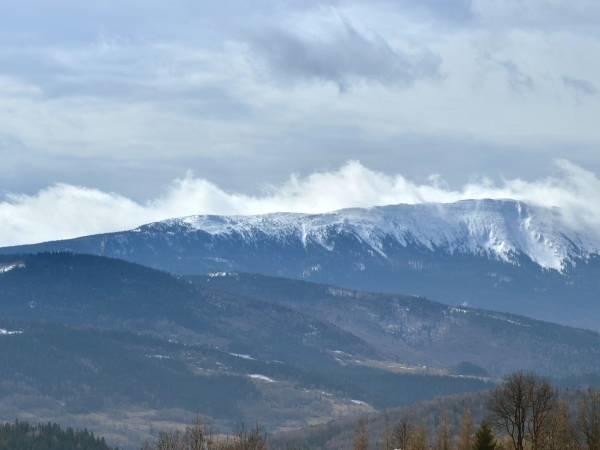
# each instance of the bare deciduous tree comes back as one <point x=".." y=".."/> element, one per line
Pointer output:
<point x="418" y="439"/>
<point x="361" y="435"/>
<point x="401" y="435"/>
<point x="542" y="399"/>
<point x="198" y="437"/>
<point x="169" y="441"/>
<point x="560" y="433"/>
<point x="509" y="408"/>
<point x="465" y="435"/>
<point x="443" y="437"/>
<point x="589" y="419"/>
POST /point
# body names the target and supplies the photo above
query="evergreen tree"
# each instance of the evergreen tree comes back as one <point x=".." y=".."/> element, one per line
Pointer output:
<point x="484" y="439"/>
<point x="23" y="436"/>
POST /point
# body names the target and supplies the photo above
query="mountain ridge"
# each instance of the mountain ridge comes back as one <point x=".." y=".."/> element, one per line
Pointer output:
<point x="502" y="255"/>
<point x="460" y="227"/>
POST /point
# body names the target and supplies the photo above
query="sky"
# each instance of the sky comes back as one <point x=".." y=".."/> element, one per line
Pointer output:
<point x="115" y="113"/>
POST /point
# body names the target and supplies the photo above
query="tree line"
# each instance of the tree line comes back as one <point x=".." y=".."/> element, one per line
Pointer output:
<point x="200" y="437"/>
<point x="524" y="412"/>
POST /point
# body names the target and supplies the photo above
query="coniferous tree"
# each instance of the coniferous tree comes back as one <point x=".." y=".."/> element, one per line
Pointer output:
<point x="23" y="436"/>
<point x="484" y="439"/>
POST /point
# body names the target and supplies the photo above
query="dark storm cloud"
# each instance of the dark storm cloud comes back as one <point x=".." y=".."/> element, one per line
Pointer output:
<point x="343" y="56"/>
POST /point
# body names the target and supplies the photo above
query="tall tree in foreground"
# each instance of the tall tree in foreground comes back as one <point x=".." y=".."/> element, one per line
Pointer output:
<point x="521" y="407"/>
<point x="401" y="435"/>
<point x="542" y="399"/>
<point x="484" y="439"/>
<point x="589" y="419"/>
<point x="509" y="408"/>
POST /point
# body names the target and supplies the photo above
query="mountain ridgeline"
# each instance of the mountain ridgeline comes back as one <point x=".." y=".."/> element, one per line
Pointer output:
<point x="494" y="254"/>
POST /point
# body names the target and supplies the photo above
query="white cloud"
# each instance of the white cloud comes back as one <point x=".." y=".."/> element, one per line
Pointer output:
<point x="174" y="88"/>
<point x="120" y="94"/>
<point x="65" y="211"/>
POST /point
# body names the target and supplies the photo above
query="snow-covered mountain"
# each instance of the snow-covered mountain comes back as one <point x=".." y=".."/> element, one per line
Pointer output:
<point x="502" y="229"/>
<point x="496" y="254"/>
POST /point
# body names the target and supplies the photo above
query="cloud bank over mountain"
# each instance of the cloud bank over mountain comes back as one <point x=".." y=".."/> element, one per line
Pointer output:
<point x="64" y="211"/>
<point x="241" y="91"/>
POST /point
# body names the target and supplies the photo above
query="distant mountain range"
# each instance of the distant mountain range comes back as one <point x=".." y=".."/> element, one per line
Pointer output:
<point x="495" y="254"/>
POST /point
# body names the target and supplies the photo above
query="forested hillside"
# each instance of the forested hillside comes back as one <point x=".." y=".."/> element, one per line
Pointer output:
<point x="417" y="331"/>
<point x="99" y="342"/>
<point x="125" y="350"/>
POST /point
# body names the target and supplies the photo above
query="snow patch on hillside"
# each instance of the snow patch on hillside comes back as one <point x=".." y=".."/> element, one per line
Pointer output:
<point x="258" y="377"/>
<point x="5" y="332"/>
<point x="243" y="356"/>
<point x="158" y="356"/>
<point x="221" y="274"/>
<point x="4" y="268"/>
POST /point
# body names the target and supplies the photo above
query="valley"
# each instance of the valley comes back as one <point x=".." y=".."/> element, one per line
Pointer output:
<point x="126" y="350"/>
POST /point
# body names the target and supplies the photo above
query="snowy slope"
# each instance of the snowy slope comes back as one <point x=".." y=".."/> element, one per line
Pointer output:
<point x="4" y="268"/>
<point x="492" y="254"/>
<point x="500" y="229"/>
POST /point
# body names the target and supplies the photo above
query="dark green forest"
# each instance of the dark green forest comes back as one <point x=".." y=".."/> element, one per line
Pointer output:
<point x="23" y="436"/>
